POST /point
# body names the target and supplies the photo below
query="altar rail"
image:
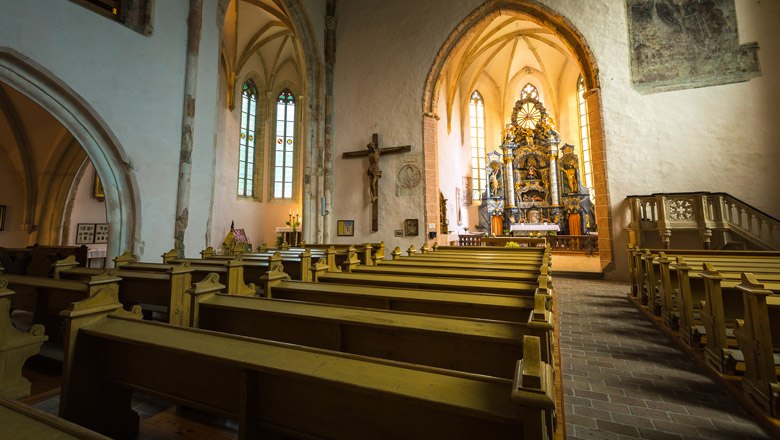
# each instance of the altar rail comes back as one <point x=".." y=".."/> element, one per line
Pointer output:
<point x="558" y="243"/>
<point x="587" y="244"/>
<point x="718" y="218"/>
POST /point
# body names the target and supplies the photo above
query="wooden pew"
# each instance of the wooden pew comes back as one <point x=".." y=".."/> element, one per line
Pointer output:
<point x="638" y="262"/>
<point x="36" y="260"/>
<point x="517" y="275"/>
<point x="405" y="262"/>
<point x="496" y="307"/>
<point x="367" y="253"/>
<point x="296" y="264"/>
<point x="165" y="287"/>
<point x="491" y="258"/>
<point x="15" y="348"/>
<point x="490" y="250"/>
<point x="47" y="297"/>
<point x="758" y="338"/>
<point x="19" y="421"/>
<point x="669" y="288"/>
<point x="483" y="347"/>
<point x="722" y="306"/>
<point x="682" y="292"/>
<point x="230" y="271"/>
<point x="428" y="283"/>
<point x="655" y="292"/>
<point x="272" y="387"/>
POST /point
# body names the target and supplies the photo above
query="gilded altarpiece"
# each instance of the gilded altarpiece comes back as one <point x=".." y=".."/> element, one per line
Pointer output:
<point x="533" y="182"/>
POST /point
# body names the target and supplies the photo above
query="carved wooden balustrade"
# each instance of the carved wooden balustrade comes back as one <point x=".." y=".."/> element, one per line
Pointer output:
<point x="717" y="218"/>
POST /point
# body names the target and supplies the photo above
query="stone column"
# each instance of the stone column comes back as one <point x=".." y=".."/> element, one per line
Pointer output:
<point x="431" y="174"/>
<point x="330" y="61"/>
<point x="554" y="173"/>
<point x="509" y="177"/>
<point x="194" y="25"/>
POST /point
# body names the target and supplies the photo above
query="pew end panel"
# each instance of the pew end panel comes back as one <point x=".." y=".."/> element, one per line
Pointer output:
<point x="533" y="387"/>
<point x="758" y="337"/>
<point x="200" y="292"/>
<point x="15" y="348"/>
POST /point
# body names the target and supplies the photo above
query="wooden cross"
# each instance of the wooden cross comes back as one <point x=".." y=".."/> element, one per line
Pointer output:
<point x="374" y="172"/>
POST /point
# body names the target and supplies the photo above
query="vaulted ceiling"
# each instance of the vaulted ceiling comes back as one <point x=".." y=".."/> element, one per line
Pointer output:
<point x="259" y="38"/>
<point x="502" y="57"/>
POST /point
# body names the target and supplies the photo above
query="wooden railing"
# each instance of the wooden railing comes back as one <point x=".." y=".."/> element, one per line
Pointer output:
<point x="718" y="216"/>
<point x="588" y="244"/>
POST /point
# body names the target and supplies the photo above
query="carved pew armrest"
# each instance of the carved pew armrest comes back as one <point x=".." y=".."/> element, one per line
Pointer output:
<point x="533" y="388"/>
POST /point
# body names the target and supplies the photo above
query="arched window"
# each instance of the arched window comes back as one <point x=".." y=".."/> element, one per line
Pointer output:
<point x="246" y="145"/>
<point x="585" y="135"/>
<point x="284" y="154"/>
<point x="529" y="91"/>
<point x="477" y="115"/>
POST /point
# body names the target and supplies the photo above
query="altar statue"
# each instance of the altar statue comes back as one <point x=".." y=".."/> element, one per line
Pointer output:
<point x="571" y="178"/>
<point x="531" y="174"/>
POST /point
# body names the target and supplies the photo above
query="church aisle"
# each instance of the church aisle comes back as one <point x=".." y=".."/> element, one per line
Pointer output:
<point x="623" y="378"/>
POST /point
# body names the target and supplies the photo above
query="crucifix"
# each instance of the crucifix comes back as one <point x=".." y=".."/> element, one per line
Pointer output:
<point x="374" y="172"/>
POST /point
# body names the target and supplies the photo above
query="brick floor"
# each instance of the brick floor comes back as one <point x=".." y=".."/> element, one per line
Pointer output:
<point x="624" y="379"/>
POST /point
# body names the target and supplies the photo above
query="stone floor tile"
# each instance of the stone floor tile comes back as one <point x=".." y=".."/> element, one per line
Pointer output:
<point x="626" y="379"/>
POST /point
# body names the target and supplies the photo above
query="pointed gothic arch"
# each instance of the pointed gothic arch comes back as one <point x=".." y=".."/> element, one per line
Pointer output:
<point x="91" y="132"/>
<point x="546" y="17"/>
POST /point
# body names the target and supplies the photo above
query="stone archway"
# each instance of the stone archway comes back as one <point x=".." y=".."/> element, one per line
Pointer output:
<point x="533" y="11"/>
<point x="91" y="132"/>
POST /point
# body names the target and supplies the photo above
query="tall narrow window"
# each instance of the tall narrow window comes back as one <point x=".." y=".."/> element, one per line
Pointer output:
<point x="477" y="114"/>
<point x="285" y="143"/>
<point x="529" y="91"/>
<point x="585" y="135"/>
<point x="246" y="145"/>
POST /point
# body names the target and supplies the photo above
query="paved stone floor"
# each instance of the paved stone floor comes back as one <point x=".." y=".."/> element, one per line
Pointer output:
<point x="624" y="379"/>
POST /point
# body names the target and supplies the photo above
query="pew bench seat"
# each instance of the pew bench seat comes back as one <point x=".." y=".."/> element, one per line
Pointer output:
<point x="511" y="308"/>
<point x="517" y="275"/>
<point x="297" y="391"/>
<point x="19" y="421"/>
<point x="406" y="262"/>
<point x="430" y="283"/>
<point x="483" y="347"/>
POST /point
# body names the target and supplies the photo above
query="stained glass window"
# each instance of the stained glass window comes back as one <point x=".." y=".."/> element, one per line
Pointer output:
<point x="246" y="143"/>
<point x="529" y="91"/>
<point x="284" y="154"/>
<point x="585" y="135"/>
<point x="477" y="115"/>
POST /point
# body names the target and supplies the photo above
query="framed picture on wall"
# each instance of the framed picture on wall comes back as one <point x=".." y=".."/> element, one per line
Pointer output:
<point x="97" y="188"/>
<point x="101" y="233"/>
<point x="345" y="228"/>
<point x="2" y="217"/>
<point x="85" y="233"/>
<point x="410" y="227"/>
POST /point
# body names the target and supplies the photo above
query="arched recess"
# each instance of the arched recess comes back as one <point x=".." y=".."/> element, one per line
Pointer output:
<point x="312" y="128"/>
<point x="91" y="132"/>
<point x="544" y="16"/>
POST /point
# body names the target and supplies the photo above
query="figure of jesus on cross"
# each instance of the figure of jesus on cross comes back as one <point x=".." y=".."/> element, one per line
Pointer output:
<point x="374" y="172"/>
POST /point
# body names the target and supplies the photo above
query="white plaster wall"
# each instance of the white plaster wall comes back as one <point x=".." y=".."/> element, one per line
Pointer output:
<point x="454" y="164"/>
<point x="135" y="83"/>
<point x="717" y="138"/>
<point x="86" y="209"/>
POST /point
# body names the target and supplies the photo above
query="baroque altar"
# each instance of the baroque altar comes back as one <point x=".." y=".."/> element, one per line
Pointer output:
<point x="531" y="182"/>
